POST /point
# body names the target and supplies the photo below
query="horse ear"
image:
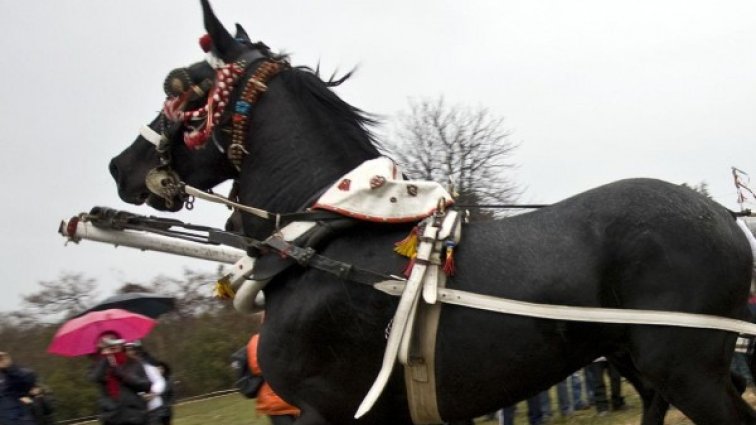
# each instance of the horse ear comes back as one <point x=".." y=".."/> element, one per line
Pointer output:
<point x="241" y="35"/>
<point x="227" y="48"/>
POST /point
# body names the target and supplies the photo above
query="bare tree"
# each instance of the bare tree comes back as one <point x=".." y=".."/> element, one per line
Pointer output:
<point x="467" y="147"/>
<point x="67" y="296"/>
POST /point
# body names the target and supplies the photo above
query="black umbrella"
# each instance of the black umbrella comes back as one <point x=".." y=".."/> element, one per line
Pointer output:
<point x="145" y="303"/>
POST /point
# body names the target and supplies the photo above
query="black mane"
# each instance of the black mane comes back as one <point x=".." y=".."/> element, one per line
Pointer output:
<point x="316" y="96"/>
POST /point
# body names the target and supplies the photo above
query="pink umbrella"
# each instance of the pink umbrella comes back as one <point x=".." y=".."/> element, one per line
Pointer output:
<point x="79" y="336"/>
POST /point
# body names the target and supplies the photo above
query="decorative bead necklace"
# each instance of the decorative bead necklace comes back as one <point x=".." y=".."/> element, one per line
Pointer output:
<point x="209" y="114"/>
<point x="253" y="89"/>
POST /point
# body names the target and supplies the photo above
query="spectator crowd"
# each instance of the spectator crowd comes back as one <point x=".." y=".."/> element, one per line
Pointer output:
<point x="136" y="389"/>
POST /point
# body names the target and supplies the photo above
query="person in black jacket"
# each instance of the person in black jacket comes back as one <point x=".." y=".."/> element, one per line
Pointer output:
<point x="15" y="383"/>
<point x="40" y="403"/>
<point x="122" y="382"/>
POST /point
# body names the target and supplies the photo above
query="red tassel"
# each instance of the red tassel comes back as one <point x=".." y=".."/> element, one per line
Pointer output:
<point x="410" y="265"/>
<point x="449" y="267"/>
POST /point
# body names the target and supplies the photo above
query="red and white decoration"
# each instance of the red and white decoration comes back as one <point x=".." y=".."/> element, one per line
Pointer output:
<point x="376" y="191"/>
<point x="201" y="121"/>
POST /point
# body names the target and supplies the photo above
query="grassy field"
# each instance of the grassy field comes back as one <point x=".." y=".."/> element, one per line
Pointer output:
<point x="234" y="409"/>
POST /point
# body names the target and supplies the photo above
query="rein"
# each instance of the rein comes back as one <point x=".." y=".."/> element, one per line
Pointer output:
<point x="279" y="219"/>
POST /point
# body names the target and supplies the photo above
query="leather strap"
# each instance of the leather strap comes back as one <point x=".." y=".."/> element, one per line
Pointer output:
<point x="408" y="299"/>
<point x="581" y="314"/>
<point x="151" y="135"/>
<point x="309" y="258"/>
<point x="420" y="370"/>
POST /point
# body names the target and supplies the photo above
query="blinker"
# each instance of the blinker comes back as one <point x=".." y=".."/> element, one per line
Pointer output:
<point x="177" y="82"/>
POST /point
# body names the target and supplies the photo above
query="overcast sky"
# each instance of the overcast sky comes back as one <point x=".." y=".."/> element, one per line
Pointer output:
<point x="594" y="90"/>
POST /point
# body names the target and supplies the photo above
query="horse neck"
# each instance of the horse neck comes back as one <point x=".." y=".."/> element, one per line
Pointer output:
<point x="296" y="149"/>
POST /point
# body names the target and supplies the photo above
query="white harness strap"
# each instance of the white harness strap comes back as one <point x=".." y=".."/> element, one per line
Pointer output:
<point x="156" y="138"/>
<point x="405" y="310"/>
<point x="430" y="280"/>
<point x="420" y="370"/>
<point x="417" y="359"/>
<point x="248" y="296"/>
<point x="151" y="135"/>
<point x="214" y="61"/>
<point x="581" y="314"/>
<point x="418" y="354"/>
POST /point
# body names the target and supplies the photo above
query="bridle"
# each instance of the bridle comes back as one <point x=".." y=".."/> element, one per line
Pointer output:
<point x="235" y="78"/>
<point x="162" y="180"/>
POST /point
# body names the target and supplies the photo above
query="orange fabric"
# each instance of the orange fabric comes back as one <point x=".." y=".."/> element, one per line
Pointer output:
<point x="268" y="402"/>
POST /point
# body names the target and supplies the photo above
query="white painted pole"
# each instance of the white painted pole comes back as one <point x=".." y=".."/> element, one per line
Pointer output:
<point x="76" y="230"/>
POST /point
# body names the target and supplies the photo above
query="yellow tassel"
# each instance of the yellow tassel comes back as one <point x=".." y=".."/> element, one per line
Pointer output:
<point x="223" y="289"/>
<point x="407" y="246"/>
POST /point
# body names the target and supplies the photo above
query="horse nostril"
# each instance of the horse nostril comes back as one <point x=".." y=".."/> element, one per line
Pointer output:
<point x="113" y="169"/>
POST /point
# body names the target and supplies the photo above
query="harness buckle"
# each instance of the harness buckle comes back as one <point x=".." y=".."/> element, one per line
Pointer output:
<point x="189" y="202"/>
<point x="305" y="255"/>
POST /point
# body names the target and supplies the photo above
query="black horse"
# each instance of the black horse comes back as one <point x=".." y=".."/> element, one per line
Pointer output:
<point x="635" y="244"/>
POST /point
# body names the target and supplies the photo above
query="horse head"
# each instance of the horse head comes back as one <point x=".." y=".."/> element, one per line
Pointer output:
<point x="168" y="151"/>
<point x="296" y="136"/>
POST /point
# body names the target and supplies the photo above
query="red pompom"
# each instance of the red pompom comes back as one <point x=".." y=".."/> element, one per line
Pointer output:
<point x="206" y="43"/>
<point x="449" y="266"/>
<point x="410" y="265"/>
